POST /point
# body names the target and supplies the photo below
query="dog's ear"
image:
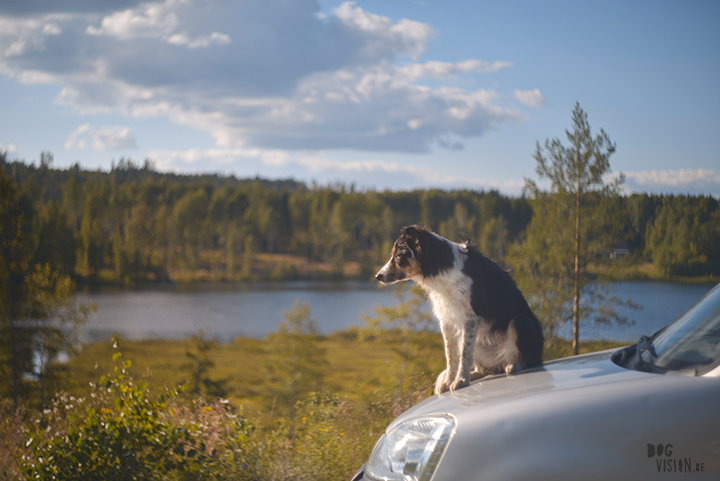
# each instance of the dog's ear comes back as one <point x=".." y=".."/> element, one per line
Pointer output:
<point x="412" y="233"/>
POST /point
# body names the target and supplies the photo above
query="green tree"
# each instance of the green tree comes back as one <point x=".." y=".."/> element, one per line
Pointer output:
<point x="461" y="223"/>
<point x="320" y="236"/>
<point x="340" y="235"/>
<point x="641" y="211"/>
<point x="492" y="237"/>
<point x="50" y="320"/>
<point x="401" y="328"/>
<point x="248" y="258"/>
<point x="138" y="237"/>
<point x="94" y="237"/>
<point x="199" y="365"/>
<point x="56" y="240"/>
<point x="297" y="362"/>
<point x="72" y="201"/>
<point x="37" y="308"/>
<point x="165" y="238"/>
<point x="227" y="209"/>
<point x="189" y="214"/>
<point x="683" y="237"/>
<point x="584" y="227"/>
<point x="15" y="248"/>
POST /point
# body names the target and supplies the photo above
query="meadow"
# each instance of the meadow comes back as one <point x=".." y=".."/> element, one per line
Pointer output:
<point x="137" y="398"/>
<point x="358" y="367"/>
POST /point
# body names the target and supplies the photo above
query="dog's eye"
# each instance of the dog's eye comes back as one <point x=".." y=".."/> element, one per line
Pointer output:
<point x="402" y="258"/>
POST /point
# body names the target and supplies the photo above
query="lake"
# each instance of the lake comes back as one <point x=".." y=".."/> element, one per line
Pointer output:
<point x="255" y="310"/>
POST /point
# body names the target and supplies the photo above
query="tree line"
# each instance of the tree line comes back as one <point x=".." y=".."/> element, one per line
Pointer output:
<point x="134" y="224"/>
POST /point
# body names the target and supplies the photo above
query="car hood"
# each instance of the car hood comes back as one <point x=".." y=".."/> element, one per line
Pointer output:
<point x="582" y="417"/>
<point x="571" y="373"/>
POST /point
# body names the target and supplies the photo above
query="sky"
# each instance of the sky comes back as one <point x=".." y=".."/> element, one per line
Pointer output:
<point x="379" y="94"/>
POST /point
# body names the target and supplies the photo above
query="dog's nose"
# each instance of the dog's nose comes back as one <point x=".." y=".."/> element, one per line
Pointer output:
<point x="378" y="276"/>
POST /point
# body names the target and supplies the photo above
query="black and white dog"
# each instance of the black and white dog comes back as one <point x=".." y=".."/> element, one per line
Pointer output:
<point x="486" y="323"/>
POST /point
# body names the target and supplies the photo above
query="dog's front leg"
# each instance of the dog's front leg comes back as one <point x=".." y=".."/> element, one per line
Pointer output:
<point x="452" y="341"/>
<point x="469" y="335"/>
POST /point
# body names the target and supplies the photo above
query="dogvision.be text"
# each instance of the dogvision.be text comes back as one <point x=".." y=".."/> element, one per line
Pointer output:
<point x="666" y="464"/>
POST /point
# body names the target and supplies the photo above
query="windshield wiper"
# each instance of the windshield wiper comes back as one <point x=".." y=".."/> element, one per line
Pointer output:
<point x="645" y="344"/>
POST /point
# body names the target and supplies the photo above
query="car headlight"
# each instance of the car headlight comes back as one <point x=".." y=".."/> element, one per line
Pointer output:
<point x="411" y="450"/>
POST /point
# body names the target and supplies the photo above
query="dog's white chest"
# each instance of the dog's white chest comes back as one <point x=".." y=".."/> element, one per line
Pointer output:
<point x="450" y="298"/>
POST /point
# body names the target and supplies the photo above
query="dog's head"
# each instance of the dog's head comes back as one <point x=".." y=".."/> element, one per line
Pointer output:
<point x="404" y="263"/>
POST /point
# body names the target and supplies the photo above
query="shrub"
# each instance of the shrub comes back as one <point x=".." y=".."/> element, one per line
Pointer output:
<point x="120" y="433"/>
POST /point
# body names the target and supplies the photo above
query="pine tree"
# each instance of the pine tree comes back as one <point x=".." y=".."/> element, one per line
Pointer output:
<point x="579" y="210"/>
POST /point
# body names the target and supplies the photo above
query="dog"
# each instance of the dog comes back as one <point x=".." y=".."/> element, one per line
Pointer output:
<point x="486" y="323"/>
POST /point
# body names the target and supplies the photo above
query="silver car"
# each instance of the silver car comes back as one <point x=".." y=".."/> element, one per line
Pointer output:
<point x="647" y="411"/>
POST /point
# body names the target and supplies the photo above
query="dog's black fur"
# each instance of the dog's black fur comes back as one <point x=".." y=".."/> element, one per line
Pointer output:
<point x="496" y="299"/>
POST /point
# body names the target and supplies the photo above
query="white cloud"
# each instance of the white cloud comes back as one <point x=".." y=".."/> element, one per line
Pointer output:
<point x="10" y="149"/>
<point x="406" y="35"/>
<point x="271" y="74"/>
<point x="104" y="138"/>
<point x="215" y="38"/>
<point x="30" y="77"/>
<point x="675" y="178"/>
<point x="531" y="98"/>
<point x="51" y="29"/>
<point x="691" y="181"/>
<point x="321" y="167"/>
<point x="20" y="36"/>
<point x="435" y="69"/>
<point x="369" y="109"/>
<point x="77" y="139"/>
<point x="151" y="20"/>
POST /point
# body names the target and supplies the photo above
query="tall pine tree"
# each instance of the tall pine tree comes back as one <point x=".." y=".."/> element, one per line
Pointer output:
<point x="575" y="219"/>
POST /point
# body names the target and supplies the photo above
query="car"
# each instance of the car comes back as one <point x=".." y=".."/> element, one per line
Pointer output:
<point x="647" y="411"/>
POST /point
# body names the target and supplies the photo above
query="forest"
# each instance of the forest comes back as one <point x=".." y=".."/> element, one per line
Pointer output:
<point x="135" y="224"/>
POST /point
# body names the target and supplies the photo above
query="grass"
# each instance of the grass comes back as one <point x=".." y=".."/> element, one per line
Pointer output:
<point x="356" y="368"/>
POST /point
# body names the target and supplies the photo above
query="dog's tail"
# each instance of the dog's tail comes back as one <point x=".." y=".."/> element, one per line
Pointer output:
<point x="530" y="340"/>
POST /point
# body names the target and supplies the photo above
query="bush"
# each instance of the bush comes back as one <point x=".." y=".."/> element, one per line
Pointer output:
<point x="120" y="433"/>
<point x="120" y="430"/>
<point x="330" y="438"/>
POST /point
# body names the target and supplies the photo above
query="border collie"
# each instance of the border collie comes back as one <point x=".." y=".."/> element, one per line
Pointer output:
<point x="486" y="323"/>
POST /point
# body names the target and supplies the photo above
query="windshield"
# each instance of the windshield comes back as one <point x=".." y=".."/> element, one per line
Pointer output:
<point x="690" y="345"/>
<point x="693" y="340"/>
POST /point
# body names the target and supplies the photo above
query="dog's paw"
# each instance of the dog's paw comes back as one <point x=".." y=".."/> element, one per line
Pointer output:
<point x="441" y="384"/>
<point x="441" y="388"/>
<point x="459" y="383"/>
<point x="513" y="368"/>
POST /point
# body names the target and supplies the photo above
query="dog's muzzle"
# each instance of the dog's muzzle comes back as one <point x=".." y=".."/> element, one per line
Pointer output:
<point x="386" y="276"/>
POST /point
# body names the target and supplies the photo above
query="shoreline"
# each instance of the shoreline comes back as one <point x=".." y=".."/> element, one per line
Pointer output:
<point x="202" y="278"/>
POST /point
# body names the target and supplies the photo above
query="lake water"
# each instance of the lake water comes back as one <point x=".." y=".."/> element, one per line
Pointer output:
<point x="255" y="310"/>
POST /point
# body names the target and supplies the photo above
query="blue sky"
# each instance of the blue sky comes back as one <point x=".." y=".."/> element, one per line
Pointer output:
<point x="384" y="94"/>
